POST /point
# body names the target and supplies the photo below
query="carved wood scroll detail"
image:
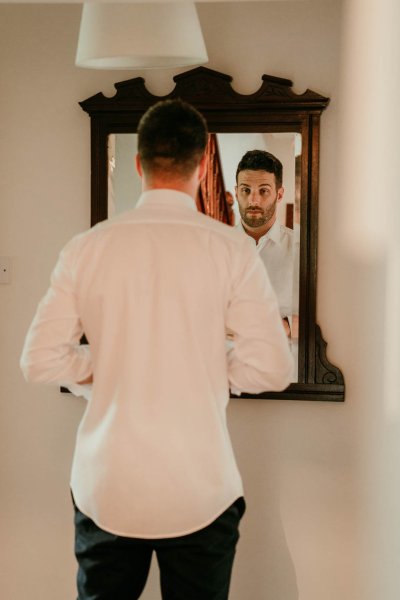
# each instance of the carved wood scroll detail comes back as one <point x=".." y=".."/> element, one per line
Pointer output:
<point x="207" y="88"/>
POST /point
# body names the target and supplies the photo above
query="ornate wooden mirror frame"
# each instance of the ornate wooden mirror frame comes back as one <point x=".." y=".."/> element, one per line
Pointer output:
<point x="273" y="108"/>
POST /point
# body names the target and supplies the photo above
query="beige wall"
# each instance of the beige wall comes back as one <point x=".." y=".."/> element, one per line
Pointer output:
<point x="311" y="470"/>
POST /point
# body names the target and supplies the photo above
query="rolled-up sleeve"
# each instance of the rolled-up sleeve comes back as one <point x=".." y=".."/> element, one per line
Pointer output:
<point x="259" y="358"/>
<point x="52" y="352"/>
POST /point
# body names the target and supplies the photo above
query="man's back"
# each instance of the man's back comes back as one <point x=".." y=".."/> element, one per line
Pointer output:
<point x="154" y="290"/>
<point x="153" y="287"/>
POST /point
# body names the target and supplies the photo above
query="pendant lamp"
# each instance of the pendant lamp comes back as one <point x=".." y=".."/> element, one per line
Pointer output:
<point x="148" y="35"/>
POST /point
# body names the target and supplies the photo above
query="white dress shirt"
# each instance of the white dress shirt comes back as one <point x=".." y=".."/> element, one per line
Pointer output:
<point x="154" y="290"/>
<point x="279" y="251"/>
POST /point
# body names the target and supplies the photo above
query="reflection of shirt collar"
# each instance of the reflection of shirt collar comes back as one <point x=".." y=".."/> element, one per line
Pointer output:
<point x="272" y="234"/>
<point x="166" y="198"/>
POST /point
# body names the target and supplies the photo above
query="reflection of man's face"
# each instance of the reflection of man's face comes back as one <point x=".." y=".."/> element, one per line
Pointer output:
<point x="257" y="198"/>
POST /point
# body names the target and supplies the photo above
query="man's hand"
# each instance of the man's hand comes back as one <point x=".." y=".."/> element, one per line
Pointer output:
<point x="86" y="381"/>
<point x="286" y="326"/>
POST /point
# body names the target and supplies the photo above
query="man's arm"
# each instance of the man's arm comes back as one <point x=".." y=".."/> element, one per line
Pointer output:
<point x="260" y="358"/>
<point x="52" y="351"/>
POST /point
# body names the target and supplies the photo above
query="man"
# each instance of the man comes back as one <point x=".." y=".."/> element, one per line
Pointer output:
<point x="259" y="189"/>
<point x="154" y="290"/>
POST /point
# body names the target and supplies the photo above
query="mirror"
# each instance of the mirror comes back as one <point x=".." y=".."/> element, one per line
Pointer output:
<point x="274" y="119"/>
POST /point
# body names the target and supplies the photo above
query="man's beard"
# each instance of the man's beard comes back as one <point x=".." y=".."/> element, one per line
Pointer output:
<point x="259" y="219"/>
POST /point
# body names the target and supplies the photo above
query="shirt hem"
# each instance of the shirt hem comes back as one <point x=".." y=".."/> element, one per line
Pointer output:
<point x="157" y="536"/>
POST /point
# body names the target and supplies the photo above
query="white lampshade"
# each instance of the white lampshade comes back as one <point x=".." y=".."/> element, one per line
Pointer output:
<point x="140" y="36"/>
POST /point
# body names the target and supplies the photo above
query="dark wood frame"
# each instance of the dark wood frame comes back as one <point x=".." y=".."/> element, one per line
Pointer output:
<point x="273" y="108"/>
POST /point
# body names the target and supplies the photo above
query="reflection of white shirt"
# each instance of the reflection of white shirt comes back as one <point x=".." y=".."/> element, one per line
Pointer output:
<point x="280" y="254"/>
<point x="154" y="290"/>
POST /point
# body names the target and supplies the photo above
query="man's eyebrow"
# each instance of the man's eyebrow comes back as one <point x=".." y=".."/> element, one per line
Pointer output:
<point x="266" y="184"/>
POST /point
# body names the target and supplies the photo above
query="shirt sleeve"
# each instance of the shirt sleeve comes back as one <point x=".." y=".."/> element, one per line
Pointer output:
<point x="81" y="390"/>
<point x="260" y="358"/>
<point x="52" y="352"/>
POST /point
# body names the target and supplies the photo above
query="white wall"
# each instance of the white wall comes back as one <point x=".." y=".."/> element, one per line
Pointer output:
<point x="309" y="468"/>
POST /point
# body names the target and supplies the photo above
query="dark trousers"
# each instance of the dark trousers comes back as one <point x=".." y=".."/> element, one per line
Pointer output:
<point x="197" y="566"/>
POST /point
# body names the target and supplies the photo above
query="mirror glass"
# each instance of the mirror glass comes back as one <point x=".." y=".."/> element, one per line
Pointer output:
<point x="279" y="249"/>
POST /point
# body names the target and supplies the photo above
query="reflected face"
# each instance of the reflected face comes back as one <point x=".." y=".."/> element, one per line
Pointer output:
<point x="257" y="198"/>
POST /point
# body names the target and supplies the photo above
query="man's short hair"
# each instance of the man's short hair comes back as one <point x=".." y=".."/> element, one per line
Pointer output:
<point x="172" y="138"/>
<point x="260" y="160"/>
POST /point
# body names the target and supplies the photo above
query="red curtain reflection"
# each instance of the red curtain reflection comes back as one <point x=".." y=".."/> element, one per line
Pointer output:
<point x="212" y="198"/>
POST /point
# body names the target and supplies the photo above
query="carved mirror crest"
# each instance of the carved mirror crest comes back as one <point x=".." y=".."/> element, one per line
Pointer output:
<point x="274" y="119"/>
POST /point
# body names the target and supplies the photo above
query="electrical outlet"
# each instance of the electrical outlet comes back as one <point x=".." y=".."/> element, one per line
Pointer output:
<point x="5" y="269"/>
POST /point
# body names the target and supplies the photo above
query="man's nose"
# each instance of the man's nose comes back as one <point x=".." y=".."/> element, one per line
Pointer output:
<point x="253" y="198"/>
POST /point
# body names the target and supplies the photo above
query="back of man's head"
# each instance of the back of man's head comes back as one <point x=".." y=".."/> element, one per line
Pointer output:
<point x="172" y="139"/>
<point x="261" y="160"/>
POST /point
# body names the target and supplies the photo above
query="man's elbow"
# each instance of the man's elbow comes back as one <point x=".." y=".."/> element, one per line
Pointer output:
<point x="32" y="374"/>
<point x="38" y="372"/>
<point x="25" y="368"/>
<point x="280" y="379"/>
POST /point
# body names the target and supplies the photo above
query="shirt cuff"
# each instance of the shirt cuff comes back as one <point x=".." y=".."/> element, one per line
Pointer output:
<point x="84" y="390"/>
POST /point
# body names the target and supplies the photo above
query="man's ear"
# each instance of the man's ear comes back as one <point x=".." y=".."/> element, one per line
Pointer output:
<point x="281" y="191"/>
<point x="138" y="165"/>
<point x="203" y="166"/>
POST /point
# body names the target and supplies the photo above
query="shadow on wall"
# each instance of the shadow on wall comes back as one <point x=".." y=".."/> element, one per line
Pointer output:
<point x="263" y="556"/>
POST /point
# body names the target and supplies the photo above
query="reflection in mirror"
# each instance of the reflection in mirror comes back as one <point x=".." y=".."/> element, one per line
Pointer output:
<point x="279" y="248"/>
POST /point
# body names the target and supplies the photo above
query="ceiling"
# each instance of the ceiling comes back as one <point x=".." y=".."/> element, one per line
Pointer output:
<point x="128" y="1"/>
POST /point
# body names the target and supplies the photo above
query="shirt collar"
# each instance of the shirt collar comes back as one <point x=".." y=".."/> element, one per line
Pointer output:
<point x="166" y="198"/>
<point x="272" y="234"/>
